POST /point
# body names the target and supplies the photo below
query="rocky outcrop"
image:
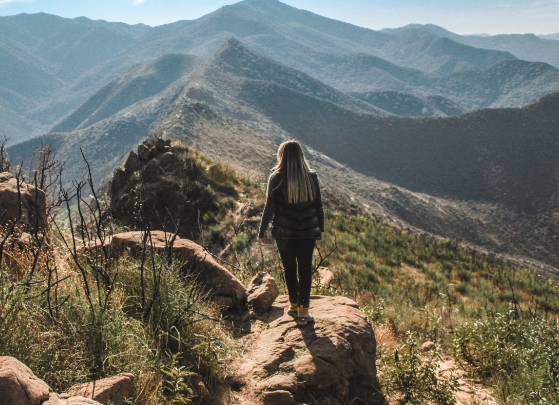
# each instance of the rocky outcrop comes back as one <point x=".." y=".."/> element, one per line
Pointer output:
<point x="334" y="357"/>
<point x="162" y="183"/>
<point x="65" y="399"/>
<point x="219" y="280"/>
<point x="27" y="205"/>
<point x="18" y="384"/>
<point x="113" y="389"/>
<point x="262" y="291"/>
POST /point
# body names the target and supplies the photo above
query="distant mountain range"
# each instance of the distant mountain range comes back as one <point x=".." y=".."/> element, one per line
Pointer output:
<point x="487" y="176"/>
<point x="50" y="66"/>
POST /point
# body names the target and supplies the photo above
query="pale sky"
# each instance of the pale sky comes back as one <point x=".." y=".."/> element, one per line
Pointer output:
<point x="460" y="16"/>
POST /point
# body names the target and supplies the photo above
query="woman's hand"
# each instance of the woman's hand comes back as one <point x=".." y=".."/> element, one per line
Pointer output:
<point x="261" y="241"/>
<point x="321" y="235"/>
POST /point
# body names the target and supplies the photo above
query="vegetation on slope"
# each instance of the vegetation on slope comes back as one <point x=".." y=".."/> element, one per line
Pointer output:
<point x="500" y="322"/>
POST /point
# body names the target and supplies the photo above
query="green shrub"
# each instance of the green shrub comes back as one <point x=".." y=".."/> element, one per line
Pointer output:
<point x="518" y="357"/>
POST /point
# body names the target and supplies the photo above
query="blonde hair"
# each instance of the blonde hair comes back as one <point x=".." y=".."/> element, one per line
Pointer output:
<point x="299" y="185"/>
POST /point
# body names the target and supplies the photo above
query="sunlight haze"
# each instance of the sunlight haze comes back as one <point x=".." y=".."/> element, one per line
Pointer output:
<point x="462" y="17"/>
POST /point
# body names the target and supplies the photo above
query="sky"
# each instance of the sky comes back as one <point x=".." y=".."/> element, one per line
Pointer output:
<point x="460" y="16"/>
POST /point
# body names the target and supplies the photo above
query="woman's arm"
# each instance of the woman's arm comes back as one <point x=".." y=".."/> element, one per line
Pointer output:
<point x="319" y="207"/>
<point x="269" y="209"/>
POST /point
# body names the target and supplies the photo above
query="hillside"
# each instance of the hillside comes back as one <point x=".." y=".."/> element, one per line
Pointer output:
<point x="478" y="177"/>
<point x="389" y="304"/>
<point x="527" y="47"/>
<point x="406" y="105"/>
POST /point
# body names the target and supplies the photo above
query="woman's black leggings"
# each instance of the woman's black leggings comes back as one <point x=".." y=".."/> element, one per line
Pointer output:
<point x="296" y="256"/>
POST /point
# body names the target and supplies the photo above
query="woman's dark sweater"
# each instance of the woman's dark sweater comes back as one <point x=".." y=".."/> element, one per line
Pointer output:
<point x="301" y="220"/>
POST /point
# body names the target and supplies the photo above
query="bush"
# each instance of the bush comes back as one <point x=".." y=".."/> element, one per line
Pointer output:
<point x="519" y="357"/>
<point x="410" y="376"/>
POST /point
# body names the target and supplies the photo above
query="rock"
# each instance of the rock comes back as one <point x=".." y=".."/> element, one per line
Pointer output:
<point x="336" y="353"/>
<point x="18" y="384"/>
<point x="326" y="276"/>
<point x="115" y="389"/>
<point x="132" y="163"/>
<point x="315" y="372"/>
<point x="143" y="152"/>
<point x="64" y="399"/>
<point x="31" y="199"/>
<point x="427" y="346"/>
<point x="120" y="178"/>
<point x="281" y="382"/>
<point x="278" y="398"/>
<point x="159" y="145"/>
<point x="216" y="277"/>
<point x="152" y="170"/>
<point x="168" y="159"/>
<point x="262" y="291"/>
<point x="167" y="142"/>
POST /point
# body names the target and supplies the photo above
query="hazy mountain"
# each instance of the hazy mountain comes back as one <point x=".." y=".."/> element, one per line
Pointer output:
<point x="487" y="176"/>
<point x="524" y="46"/>
<point x="55" y="64"/>
<point x="138" y="84"/>
<point x="407" y="105"/>
<point x="550" y="36"/>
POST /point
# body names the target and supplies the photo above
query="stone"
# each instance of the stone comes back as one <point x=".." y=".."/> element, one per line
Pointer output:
<point x="218" y="280"/>
<point x="315" y="372"/>
<point x="18" y="384"/>
<point x="167" y="142"/>
<point x="31" y="199"/>
<point x="120" y="177"/>
<point x="278" y="398"/>
<point x="115" y="389"/>
<point x="168" y="159"/>
<point x="143" y="152"/>
<point x="65" y="399"/>
<point x="159" y="145"/>
<point x="152" y="170"/>
<point x="325" y="276"/>
<point x="335" y="354"/>
<point x="132" y="162"/>
<point x="281" y="382"/>
<point x="262" y="291"/>
<point x="428" y="346"/>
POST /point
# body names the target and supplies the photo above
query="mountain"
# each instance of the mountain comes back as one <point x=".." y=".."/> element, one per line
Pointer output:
<point x="524" y="46"/>
<point x="135" y="85"/>
<point x="486" y="177"/>
<point x="550" y="36"/>
<point x="69" y="60"/>
<point x="407" y="105"/>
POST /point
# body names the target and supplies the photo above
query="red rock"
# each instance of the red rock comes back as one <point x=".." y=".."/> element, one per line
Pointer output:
<point x="315" y="372"/>
<point x="337" y="353"/>
<point x="32" y="199"/>
<point x="115" y="389"/>
<point x="217" y="278"/>
<point x="262" y="291"/>
<point x="278" y="398"/>
<point x="18" y="384"/>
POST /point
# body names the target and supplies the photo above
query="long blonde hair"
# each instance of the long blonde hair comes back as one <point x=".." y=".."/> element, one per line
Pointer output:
<point x="299" y="185"/>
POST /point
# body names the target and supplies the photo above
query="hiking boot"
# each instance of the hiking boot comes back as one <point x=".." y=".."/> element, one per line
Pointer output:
<point x="292" y="311"/>
<point x="303" y="315"/>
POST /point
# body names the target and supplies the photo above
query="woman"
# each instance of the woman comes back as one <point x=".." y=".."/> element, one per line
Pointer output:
<point x="293" y="199"/>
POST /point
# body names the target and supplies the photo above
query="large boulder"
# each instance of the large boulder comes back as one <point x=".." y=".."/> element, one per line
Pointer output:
<point x="31" y="199"/>
<point x="334" y="357"/>
<point x="18" y="384"/>
<point x="219" y="280"/>
<point x="262" y="291"/>
<point x="113" y="389"/>
<point x="65" y="399"/>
